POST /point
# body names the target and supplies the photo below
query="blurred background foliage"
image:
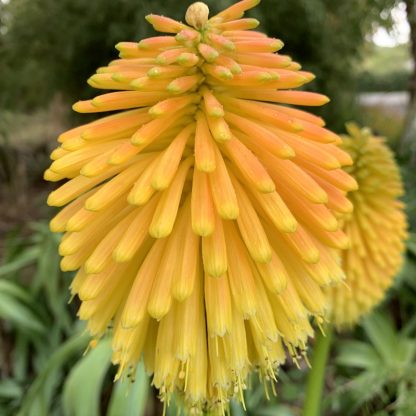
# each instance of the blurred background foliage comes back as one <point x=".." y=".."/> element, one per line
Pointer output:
<point x="48" y="49"/>
<point x="51" y="47"/>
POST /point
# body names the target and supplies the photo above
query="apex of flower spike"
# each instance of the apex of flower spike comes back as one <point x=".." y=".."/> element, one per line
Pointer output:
<point x="197" y="15"/>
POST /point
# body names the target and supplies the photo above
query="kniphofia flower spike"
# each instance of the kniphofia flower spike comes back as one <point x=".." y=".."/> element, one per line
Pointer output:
<point x="377" y="228"/>
<point x="200" y="215"/>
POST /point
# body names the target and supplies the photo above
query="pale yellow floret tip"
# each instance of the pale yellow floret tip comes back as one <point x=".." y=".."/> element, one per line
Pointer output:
<point x="197" y="15"/>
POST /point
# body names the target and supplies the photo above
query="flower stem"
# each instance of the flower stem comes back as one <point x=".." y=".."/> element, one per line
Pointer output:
<point x="316" y="377"/>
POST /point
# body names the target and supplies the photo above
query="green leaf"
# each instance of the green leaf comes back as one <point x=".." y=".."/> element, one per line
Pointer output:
<point x="408" y="272"/>
<point x="411" y="243"/>
<point x="254" y="397"/>
<point x="15" y="290"/>
<point x="20" y="315"/>
<point x="406" y="398"/>
<point x="10" y="389"/>
<point x="82" y="389"/>
<point x="21" y="356"/>
<point x="47" y="270"/>
<point x="409" y="327"/>
<point x="367" y="386"/>
<point x="280" y="410"/>
<point x="236" y="409"/>
<point x="25" y="258"/>
<point x="38" y="399"/>
<point x="358" y="354"/>
<point x="174" y="406"/>
<point x="129" y="399"/>
<point x="382" y="335"/>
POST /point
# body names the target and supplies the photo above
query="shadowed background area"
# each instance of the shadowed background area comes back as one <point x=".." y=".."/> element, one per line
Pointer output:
<point x="48" y="50"/>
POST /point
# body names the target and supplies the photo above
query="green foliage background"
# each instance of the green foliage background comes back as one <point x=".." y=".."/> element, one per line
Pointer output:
<point x="51" y="46"/>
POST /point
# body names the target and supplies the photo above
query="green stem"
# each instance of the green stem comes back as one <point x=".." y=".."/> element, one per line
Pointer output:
<point x="316" y="376"/>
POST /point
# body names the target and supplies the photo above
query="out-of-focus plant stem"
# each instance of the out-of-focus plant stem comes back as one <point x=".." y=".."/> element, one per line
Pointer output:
<point x="316" y="376"/>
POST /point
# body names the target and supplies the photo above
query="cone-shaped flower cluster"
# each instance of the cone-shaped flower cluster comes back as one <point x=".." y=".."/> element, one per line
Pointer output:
<point x="377" y="228"/>
<point x="201" y="216"/>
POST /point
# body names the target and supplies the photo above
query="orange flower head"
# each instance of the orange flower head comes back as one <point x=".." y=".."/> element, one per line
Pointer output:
<point x="377" y="228"/>
<point x="200" y="214"/>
